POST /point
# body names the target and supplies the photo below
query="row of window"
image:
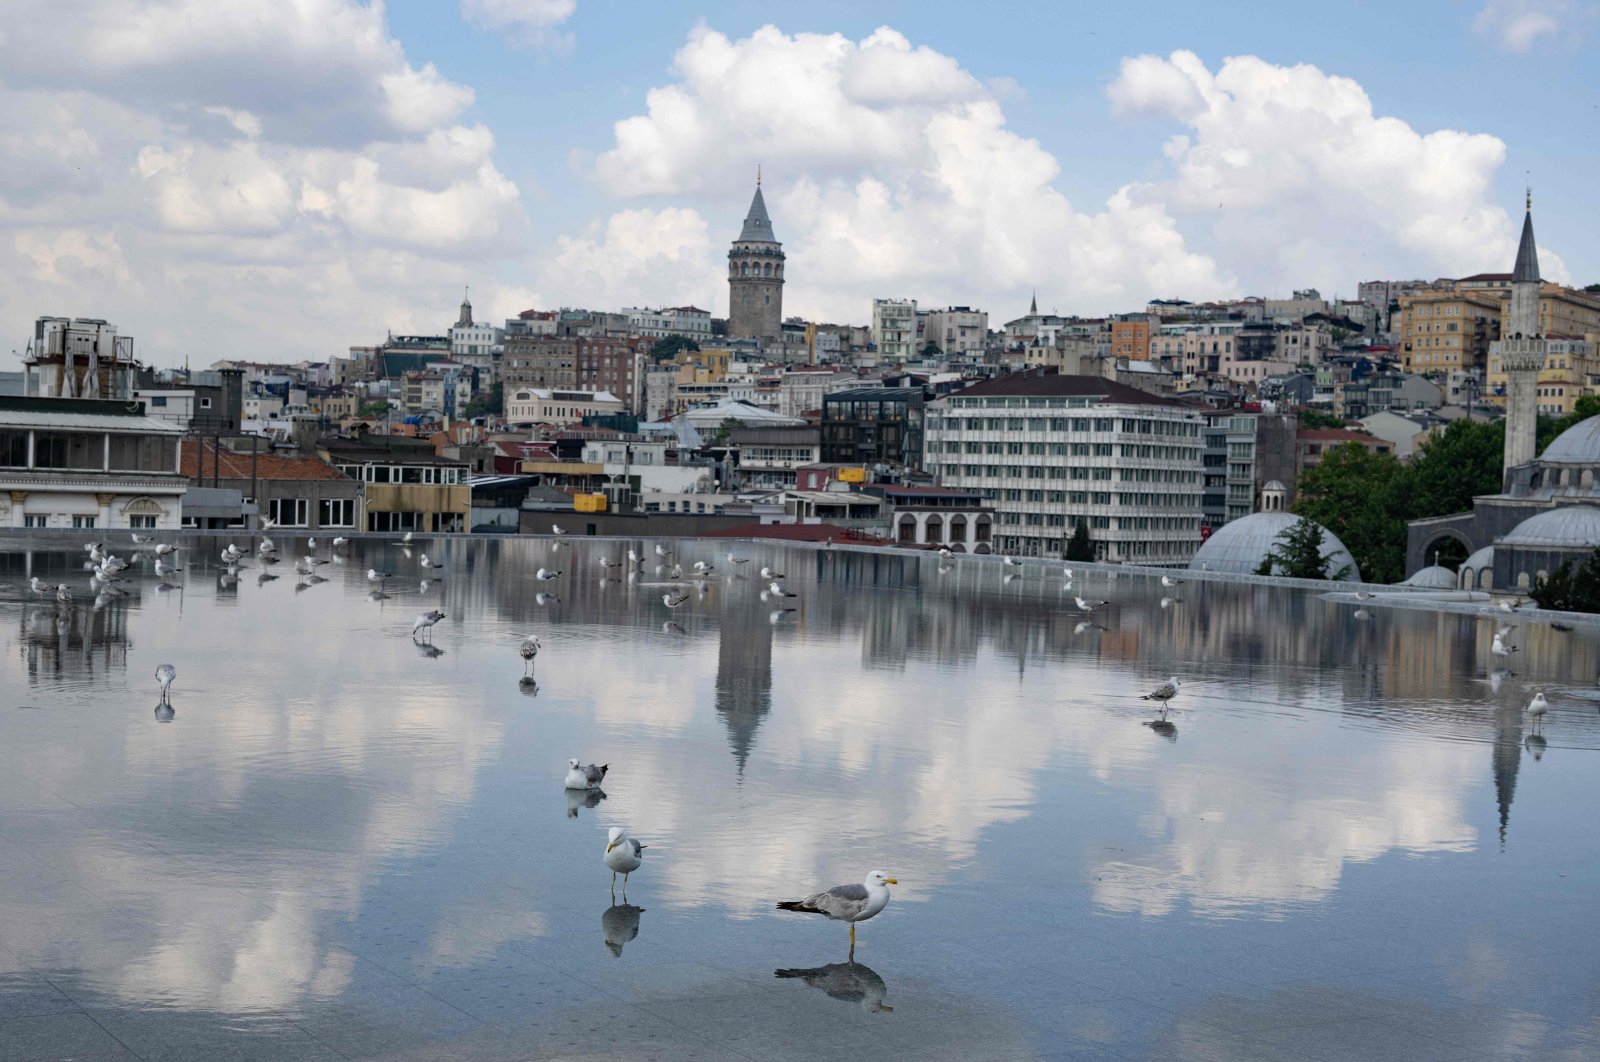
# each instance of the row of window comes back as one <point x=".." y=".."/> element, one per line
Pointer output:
<point x="88" y="451"/>
<point x="436" y="475"/>
<point x="1016" y="449"/>
<point x="84" y="523"/>
<point x="331" y="512"/>
<point x="1128" y="475"/>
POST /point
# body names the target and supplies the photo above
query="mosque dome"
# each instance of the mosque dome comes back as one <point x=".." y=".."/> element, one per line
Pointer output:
<point x="1579" y="443"/>
<point x="1570" y="526"/>
<point x="1240" y="547"/>
<point x="1273" y="484"/>
<point x="1433" y="577"/>
<point x="1483" y="558"/>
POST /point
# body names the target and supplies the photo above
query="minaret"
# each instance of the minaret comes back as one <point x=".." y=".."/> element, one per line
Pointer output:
<point x="465" y="320"/>
<point x="1522" y="351"/>
<point x="755" y="276"/>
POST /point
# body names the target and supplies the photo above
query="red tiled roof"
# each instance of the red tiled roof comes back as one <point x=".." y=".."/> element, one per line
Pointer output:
<point x="234" y="465"/>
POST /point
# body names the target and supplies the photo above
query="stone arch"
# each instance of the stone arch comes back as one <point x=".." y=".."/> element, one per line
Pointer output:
<point x="1586" y="478"/>
<point x="958" y="547"/>
<point x="1522" y="580"/>
<point x="1486" y="578"/>
<point x="1451" y="548"/>
<point x="143" y="505"/>
<point x="906" y="529"/>
<point x="958" y="528"/>
<point x="934" y="528"/>
<point x="766" y="269"/>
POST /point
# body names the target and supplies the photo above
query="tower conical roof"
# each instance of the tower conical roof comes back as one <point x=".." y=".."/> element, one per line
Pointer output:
<point x="757" y="225"/>
<point x="1527" y="267"/>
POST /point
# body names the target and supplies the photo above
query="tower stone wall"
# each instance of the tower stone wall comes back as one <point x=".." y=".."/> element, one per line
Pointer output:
<point x="1522" y="353"/>
<point x="755" y="277"/>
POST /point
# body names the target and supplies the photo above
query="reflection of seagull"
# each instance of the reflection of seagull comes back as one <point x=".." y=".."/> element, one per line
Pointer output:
<point x="670" y="627"/>
<point x="529" y="650"/>
<point x="623" y="855"/>
<point x="850" y="982"/>
<point x="542" y="599"/>
<point x="1494" y="678"/>
<point x="166" y="675"/>
<point x="1163" y="695"/>
<point x="1086" y="625"/>
<point x="1168" y="602"/>
<point x="848" y="903"/>
<point x="1086" y="606"/>
<point x="1500" y="646"/>
<point x="426" y="621"/>
<point x="581" y="777"/>
<point x="777" y="616"/>
<point x="620" y="924"/>
<point x="1165" y="727"/>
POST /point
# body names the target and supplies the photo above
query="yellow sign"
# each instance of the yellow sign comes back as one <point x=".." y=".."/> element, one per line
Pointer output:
<point x="852" y="475"/>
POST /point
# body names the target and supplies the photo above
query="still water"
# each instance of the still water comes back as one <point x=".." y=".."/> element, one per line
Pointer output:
<point x="344" y="843"/>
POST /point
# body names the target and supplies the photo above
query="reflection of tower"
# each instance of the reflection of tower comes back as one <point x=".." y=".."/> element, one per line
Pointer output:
<point x="1507" y="758"/>
<point x="755" y="276"/>
<point x="744" y="676"/>
<point x="1522" y="352"/>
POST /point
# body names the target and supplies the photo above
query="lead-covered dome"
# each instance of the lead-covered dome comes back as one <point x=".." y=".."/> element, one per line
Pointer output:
<point x="1569" y="526"/>
<point x="1240" y="547"/>
<point x="1433" y="577"/>
<point x="1579" y="443"/>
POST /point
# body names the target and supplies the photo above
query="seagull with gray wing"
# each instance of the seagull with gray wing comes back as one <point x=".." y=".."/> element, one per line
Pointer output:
<point x="848" y="903"/>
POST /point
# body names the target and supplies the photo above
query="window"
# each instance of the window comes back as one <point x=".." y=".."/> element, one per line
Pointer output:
<point x="336" y="512"/>
<point x="36" y="520"/>
<point x="142" y="453"/>
<point x="68" y="450"/>
<point x="142" y="523"/>
<point x="83" y="522"/>
<point x="158" y="401"/>
<point x="288" y="512"/>
<point x="14" y="449"/>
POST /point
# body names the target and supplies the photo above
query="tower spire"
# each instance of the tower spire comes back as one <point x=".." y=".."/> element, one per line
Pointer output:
<point x="1033" y="307"/>
<point x="758" y="175"/>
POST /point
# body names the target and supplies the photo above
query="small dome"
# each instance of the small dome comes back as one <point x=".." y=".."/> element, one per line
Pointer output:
<point x="1433" y="577"/>
<point x="1240" y="547"/>
<point x="1580" y="443"/>
<point x="1274" y="484"/>
<point x="1483" y="558"/>
<point x="1571" y="525"/>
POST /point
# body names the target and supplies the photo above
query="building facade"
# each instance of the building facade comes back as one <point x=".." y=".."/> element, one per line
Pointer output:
<point x="544" y="405"/>
<point x="894" y="329"/>
<point x="873" y="425"/>
<point x="88" y="464"/>
<point x="1051" y="450"/>
<point x="755" y="277"/>
<point x="958" y="331"/>
<point x="540" y="361"/>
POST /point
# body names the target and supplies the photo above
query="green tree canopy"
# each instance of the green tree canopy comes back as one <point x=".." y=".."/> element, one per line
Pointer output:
<point x="1316" y="418"/>
<point x="1568" y="589"/>
<point x="1297" y="554"/>
<point x="725" y="429"/>
<point x="492" y="404"/>
<point x="1359" y="495"/>
<point x="1079" y="546"/>
<point x="1453" y="467"/>
<point x="670" y="347"/>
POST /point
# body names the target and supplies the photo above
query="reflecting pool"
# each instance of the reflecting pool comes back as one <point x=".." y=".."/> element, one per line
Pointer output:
<point x="345" y="842"/>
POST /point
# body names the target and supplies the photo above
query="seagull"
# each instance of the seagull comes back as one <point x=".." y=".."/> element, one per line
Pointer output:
<point x="623" y="855"/>
<point x="268" y="523"/>
<point x="738" y="560"/>
<point x="426" y="563"/>
<point x="1167" y="580"/>
<point x="546" y="574"/>
<point x="142" y="540"/>
<point x="377" y="576"/>
<point x="702" y="566"/>
<point x="406" y="540"/>
<point x="607" y="563"/>
<point x="768" y="573"/>
<point x="1511" y="605"/>
<point x="267" y="546"/>
<point x="1537" y="707"/>
<point x="164" y="569"/>
<point x="662" y="551"/>
<point x="945" y="554"/>
<point x="1086" y="606"/>
<point x="426" y="621"/>
<point x="165" y="675"/>
<point x="1066" y="573"/>
<point x="1364" y="595"/>
<point x="848" y="903"/>
<point x="529" y="650"/>
<point x="1163" y="695"/>
<point x="311" y="543"/>
<point x="777" y="590"/>
<point x="1011" y="562"/>
<point x="164" y="549"/>
<point x="64" y="594"/>
<point x="316" y="561"/>
<point x="677" y="571"/>
<point x="39" y="586"/>
<point x="633" y="558"/>
<point x="1499" y="647"/>
<point x="590" y="777"/>
<point x="673" y="601"/>
<point x="340" y="542"/>
<point x="555" y="529"/>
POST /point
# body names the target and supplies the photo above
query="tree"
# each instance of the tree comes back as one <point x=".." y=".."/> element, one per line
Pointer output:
<point x="1316" y="418"/>
<point x="1593" y="289"/>
<point x="725" y="429"/>
<point x="670" y="347"/>
<point x="1298" y="554"/>
<point x="930" y="349"/>
<point x="1569" y="590"/>
<point x="374" y="409"/>
<point x="1079" y="546"/>
<point x="494" y="404"/>
<point x="1360" y="496"/>
<point x="1453" y="467"/>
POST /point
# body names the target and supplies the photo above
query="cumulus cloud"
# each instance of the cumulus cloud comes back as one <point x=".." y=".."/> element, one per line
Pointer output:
<point x="892" y="173"/>
<point x="1301" y="182"/>
<point x="638" y="257"/>
<point x="1519" y="25"/>
<point x="280" y="174"/>
<point x="524" y="23"/>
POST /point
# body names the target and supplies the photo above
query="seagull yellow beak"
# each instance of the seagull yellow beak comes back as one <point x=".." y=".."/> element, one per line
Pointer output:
<point x="892" y="881"/>
<point x="610" y="846"/>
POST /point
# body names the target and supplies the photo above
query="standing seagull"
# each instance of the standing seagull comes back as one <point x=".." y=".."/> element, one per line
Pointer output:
<point x="623" y="855"/>
<point x="426" y="563"/>
<point x="164" y="549"/>
<point x="529" y="650"/>
<point x="777" y="590"/>
<point x="1011" y="562"/>
<point x="1500" y="646"/>
<point x="1086" y="606"/>
<point x="39" y="586"/>
<point x="1167" y="580"/>
<point x="1163" y="695"/>
<point x="848" y="903"/>
<point x="945" y="554"/>
<point x="1537" y="708"/>
<point x="555" y="529"/>
<point x="674" y="600"/>
<point x="738" y="560"/>
<point x="546" y="575"/>
<point x="142" y="540"/>
<point x="425" y="622"/>
<point x="165" y="675"/>
<point x="581" y="777"/>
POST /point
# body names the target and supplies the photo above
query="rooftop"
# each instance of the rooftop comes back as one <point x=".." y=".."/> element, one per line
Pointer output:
<point x="1055" y="385"/>
<point x="83" y="414"/>
<point x="226" y="463"/>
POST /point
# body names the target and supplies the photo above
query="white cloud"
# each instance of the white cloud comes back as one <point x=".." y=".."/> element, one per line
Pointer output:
<point x="1518" y="25"/>
<point x="525" y="23"/>
<point x="1300" y="182"/>
<point x="277" y="174"/>
<point x="638" y="257"/>
<point x="891" y="171"/>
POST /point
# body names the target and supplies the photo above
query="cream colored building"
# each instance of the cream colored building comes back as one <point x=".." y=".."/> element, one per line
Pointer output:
<point x="1454" y="329"/>
<point x="543" y="405"/>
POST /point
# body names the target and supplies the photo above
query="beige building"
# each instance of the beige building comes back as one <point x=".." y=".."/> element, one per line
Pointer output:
<point x="1571" y="370"/>
<point x="1454" y="329"/>
<point x="542" y="405"/>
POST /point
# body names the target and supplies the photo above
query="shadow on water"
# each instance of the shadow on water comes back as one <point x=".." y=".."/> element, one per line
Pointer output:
<point x="848" y="982"/>
<point x="620" y="924"/>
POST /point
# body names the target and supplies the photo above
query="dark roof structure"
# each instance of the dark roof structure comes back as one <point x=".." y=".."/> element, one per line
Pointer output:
<point x="757" y="225"/>
<point x="1056" y="385"/>
<point x="1527" y="267"/>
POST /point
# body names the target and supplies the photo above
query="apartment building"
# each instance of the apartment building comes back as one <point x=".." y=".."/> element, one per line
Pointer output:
<point x="1052" y="450"/>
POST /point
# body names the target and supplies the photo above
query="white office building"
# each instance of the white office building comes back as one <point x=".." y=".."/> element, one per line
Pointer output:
<point x="894" y="329"/>
<point x="1050" y="450"/>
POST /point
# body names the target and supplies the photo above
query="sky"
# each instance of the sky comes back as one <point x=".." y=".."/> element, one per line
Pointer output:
<point x="282" y="179"/>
